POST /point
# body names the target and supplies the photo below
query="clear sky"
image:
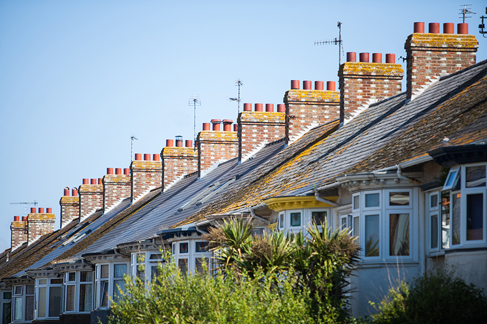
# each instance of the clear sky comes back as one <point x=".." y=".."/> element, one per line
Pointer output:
<point x="79" y="77"/>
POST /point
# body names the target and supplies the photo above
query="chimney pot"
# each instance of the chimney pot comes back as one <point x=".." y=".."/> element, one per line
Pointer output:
<point x="351" y="57"/>
<point x="419" y="27"/>
<point x="93" y="181"/>
<point x="117" y="171"/>
<point x="49" y="210"/>
<point x="281" y="108"/>
<point x="247" y="107"/>
<point x="16" y="218"/>
<point x="448" y="28"/>
<point x="294" y="84"/>
<point x="364" y="57"/>
<point x="434" y="28"/>
<point x="32" y="210"/>
<point x="377" y="57"/>
<point x="462" y="28"/>
<point x="179" y="143"/>
<point x="269" y="107"/>
<point x="156" y="157"/>
<point x="169" y="143"/>
<point x="86" y="181"/>
<point x="307" y="85"/>
<point x="235" y="127"/>
<point x="66" y="191"/>
<point x="227" y="125"/>
<point x="74" y="192"/>
<point x="390" y="58"/>
<point x="100" y="180"/>
<point x="206" y="126"/>
<point x="126" y="171"/>
<point x="216" y="124"/>
<point x="41" y="210"/>
<point x="146" y="157"/>
<point x="24" y="218"/>
<point x="319" y="85"/>
<point x="330" y="85"/>
<point x="189" y="143"/>
<point x="138" y="156"/>
<point x="109" y="170"/>
<point x="259" y="107"/>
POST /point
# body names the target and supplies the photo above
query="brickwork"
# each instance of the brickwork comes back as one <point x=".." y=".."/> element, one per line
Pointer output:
<point x="307" y="108"/>
<point x="39" y="224"/>
<point x="429" y="55"/>
<point x="177" y="162"/>
<point x="90" y="199"/>
<point x="18" y="230"/>
<point x="115" y="188"/>
<point x="146" y="175"/>
<point x="69" y="209"/>
<point x="361" y="82"/>
<point x="257" y="128"/>
<point x="214" y="146"/>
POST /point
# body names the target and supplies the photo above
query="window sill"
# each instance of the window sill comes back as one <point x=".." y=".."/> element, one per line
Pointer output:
<point x="385" y="263"/>
<point x="436" y="254"/>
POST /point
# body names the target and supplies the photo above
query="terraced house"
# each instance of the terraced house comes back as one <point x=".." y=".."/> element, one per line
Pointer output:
<point x="403" y="169"/>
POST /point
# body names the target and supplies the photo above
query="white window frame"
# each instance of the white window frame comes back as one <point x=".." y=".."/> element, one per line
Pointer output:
<point x="23" y="297"/>
<point x="388" y="235"/>
<point x="110" y="279"/>
<point x="363" y="240"/>
<point x="430" y="211"/>
<point x="48" y="285"/>
<point x="368" y="192"/>
<point x="192" y="254"/>
<point x="455" y="180"/>
<point x="147" y="263"/>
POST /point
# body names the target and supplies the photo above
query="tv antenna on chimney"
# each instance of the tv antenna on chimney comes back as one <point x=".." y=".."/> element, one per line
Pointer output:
<point x="238" y="84"/>
<point x="335" y="41"/>
<point x="482" y="25"/>
<point x="194" y="101"/>
<point x="25" y="203"/>
<point x="132" y="138"/>
<point x="465" y="11"/>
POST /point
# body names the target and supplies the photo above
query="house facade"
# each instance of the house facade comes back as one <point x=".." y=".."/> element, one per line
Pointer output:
<point x="403" y="169"/>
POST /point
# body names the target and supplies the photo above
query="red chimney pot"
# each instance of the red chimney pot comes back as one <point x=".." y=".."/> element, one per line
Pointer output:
<point x="156" y="157"/>
<point x="434" y="28"/>
<point x="24" y="218"/>
<point x="66" y="191"/>
<point x="41" y="210"/>
<point x="227" y="125"/>
<point x="419" y="27"/>
<point x="377" y="57"/>
<point x="216" y="124"/>
<point x="448" y="28"/>
<point x="462" y="28"/>
<point x="49" y="210"/>
<point x="390" y="58"/>
<point x="319" y="85"/>
<point x="169" y="143"/>
<point x="100" y="180"/>
<point x="247" y="107"/>
<point x="269" y="107"/>
<point x="93" y="181"/>
<point x="364" y="57"/>
<point x="16" y="218"/>
<point x="126" y="171"/>
<point x="330" y="85"/>
<point x="307" y="85"/>
<point x="189" y="143"/>
<point x="351" y="57"/>
<point x="86" y="181"/>
<point x="138" y="156"/>
<point x="258" y="107"/>
<point x="235" y="127"/>
<point x="281" y="108"/>
<point x="146" y="157"/>
<point x="294" y="84"/>
<point x="74" y="192"/>
<point x="109" y="170"/>
<point x="117" y="171"/>
<point x="179" y="143"/>
<point x="206" y="126"/>
<point x="32" y="210"/>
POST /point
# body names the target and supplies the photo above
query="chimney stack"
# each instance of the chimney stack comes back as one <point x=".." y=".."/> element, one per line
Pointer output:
<point x="39" y="224"/>
<point x="364" y="82"/>
<point x="178" y="161"/>
<point x="430" y="55"/>
<point x="116" y="187"/>
<point x="146" y="174"/>
<point x="90" y="197"/>
<point x="308" y="108"/>
<point x="69" y="206"/>
<point x="18" y="232"/>
<point x="216" y="145"/>
<point x="256" y="128"/>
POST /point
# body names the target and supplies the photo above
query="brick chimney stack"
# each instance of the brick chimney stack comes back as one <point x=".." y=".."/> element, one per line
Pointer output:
<point x="216" y="145"/>
<point x="259" y="127"/>
<point x="364" y="82"/>
<point x="146" y="174"/>
<point x="178" y="161"/>
<point x="307" y="107"/>
<point x="431" y="54"/>
<point x="39" y="224"/>
<point x="90" y="197"/>
<point x="116" y="187"/>
<point x="18" y="230"/>
<point x="69" y="206"/>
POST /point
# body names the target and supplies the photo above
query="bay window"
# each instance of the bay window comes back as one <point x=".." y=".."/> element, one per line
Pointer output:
<point x="49" y="297"/>
<point x="191" y="255"/>
<point x="109" y="280"/>
<point x="23" y="299"/>
<point x="78" y="292"/>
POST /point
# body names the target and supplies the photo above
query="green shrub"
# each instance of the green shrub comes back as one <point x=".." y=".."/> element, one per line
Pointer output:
<point x="436" y="297"/>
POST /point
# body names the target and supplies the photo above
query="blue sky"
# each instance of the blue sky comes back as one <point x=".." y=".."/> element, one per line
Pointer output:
<point x="78" y="78"/>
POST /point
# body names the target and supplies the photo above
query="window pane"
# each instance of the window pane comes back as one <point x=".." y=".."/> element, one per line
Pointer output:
<point x="117" y="286"/>
<point x="29" y="289"/>
<point x="18" y="290"/>
<point x="372" y="235"/>
<point x="104" y="271"/>
<point x="356" y="226"/>
<point x="201" y="246"/>
<point x="445" y="219"/>
<point x="281" y="220"/>
<point x="119" y="270"/>
<point x="7" y="295"/>
<point x="154" y="271"/>
<point x="174" y="248"/>
<point x="372" y="200"/>
<point x="356" y="202"/>
<point x="86" y="276"/>
<point x="103" y="293"/>
<point x="72" y="276"/>
<point x="343" y="223"/>
<point x="29" y="308"/>
<point x="141" y="272"/>
<point x="42" y="281"/>
<point x="399" y="198"/>
<point x="434" y="231"/>
<point x="259" y="232"/>
<point x="183" y="247"/>
<point x="399" y="234"/>
<point x="85" y="297"/>
<point x="42" y="302"/>
<point x="295" y="219"/>
<point x="55" y="301"/>
<point x="455" y="222"/>
<point x="183" y="265"/>
<point x="18" y="308"/>
<point x="433" y="201"/>
<point x="318" y="217"/>
<point x="199" y="265"/>
<point x="156" y="256"/>
<point x="475" y="176"/>
<point x="451" y="179"/>
<point x="70" y="298"/>
<point x="475" y="210"/>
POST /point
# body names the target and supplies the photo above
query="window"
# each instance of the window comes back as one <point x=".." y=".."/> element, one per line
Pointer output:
<point x="372" y="235"/>
<point x="70" y="291"/>
<point x="318" y="217"/>
<point x="23" y="303"/>
<point x="452" y="179"/>
<point x="104" y="277"/>
<point x="108" y="280"/>
<point x="295" y="219"/>
<point x="86" y="291"/>
<point x="399" y="198"/>
<point x="474" y="219"/>
<point x="281" y="220"/>
<point x="49" y="297"/>
<point x="399" y="234"/>
<point x="475" y="176"/>
<point x="119" y="270"/>
<point x="433" y="211"/>
<point x="372" y="200"/>
<point x="356" y="202"/>
<point x="195" y="254"/>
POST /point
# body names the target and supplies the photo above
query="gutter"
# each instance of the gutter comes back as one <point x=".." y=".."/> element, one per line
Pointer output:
<point x="326" y="201"/>
<point x="251" y="210"/>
